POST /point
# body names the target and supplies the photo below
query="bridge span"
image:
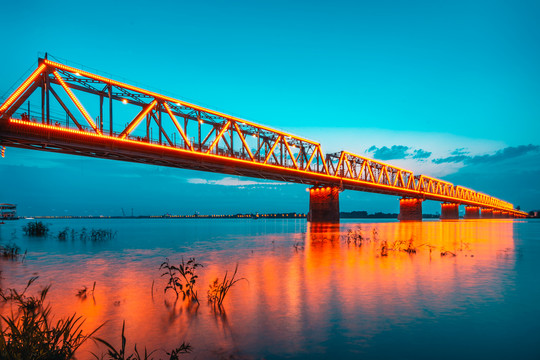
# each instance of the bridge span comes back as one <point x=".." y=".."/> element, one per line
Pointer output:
<point x="60" y="108"/>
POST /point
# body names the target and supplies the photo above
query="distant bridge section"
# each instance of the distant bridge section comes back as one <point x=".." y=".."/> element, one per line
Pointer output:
<point x="64" y="109"/>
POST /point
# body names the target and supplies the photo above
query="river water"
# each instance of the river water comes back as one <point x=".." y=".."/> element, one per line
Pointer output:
<point x="470" y="290"/>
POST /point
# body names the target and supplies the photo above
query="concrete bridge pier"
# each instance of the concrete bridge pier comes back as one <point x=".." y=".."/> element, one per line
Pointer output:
<point x="449" y="211"/>
<point x="323" y="204"/>
<point x="486" y="213"/>
<point x="472" y="212"/>
<point x="410" y="209"/>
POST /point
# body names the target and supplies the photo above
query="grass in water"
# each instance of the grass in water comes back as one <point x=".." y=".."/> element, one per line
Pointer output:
<point x="93" y="235"/>
<point x="120" y="353"/>
<point x="83" y="293"/>
<point x="219" y="289"/>
<point x="30" y="333"/>
<point x="11" y="252"/>
<point x="36" y="228"/>
<point x="182" y="278"/>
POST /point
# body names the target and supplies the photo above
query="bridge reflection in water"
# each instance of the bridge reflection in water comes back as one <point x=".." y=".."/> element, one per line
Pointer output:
<point x="325" y="293"/>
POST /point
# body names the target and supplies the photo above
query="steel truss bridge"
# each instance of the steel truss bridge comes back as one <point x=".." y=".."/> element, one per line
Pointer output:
<point x="124" y="122"/>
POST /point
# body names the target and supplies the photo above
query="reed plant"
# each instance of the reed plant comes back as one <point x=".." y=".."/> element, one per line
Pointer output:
<point x="355" y="237"/>
<point x="11" y="252"/>
<point x="30" y="333"/>
<point x="219" y="289"/>
<point x="447" y="253"/>
<point x="94" y="235"/>
<point x="62" y="235"/>
<point x="36" y="228"/>
<point x="182" y="278"/>
<point x="102" y="234"/>
<point x="121" y="354"/>
<point x="384" y="248"/>
<point x="83" y="293"/>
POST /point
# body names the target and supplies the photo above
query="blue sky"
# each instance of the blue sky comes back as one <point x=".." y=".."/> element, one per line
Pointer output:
<point x="448" y="89"/>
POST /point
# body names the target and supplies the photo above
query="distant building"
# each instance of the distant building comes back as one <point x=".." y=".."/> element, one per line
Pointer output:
<point x="8" y="212"/>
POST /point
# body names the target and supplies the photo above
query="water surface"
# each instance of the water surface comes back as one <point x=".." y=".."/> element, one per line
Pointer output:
<point x="310" y="291"/>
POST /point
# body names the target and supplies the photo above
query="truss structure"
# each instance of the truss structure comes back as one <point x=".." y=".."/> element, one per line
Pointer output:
<point x="83" y="113"/>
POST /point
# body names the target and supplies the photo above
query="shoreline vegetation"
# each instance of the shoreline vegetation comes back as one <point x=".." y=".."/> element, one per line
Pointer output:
<point x="29" y="331"/>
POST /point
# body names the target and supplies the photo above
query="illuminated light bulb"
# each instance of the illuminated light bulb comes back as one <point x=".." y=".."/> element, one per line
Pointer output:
<point x="124" y="101"/>
<point x="77" y="74"/>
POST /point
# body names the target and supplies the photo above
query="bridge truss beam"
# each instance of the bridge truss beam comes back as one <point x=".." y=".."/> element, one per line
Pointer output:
<point x="196" y="138"/>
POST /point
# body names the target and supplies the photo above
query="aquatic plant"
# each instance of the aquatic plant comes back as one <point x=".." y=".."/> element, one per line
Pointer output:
<point x="405" y="246"/>
<point x="12" y="252"/>
<point x="355" y="237"/>
<point x="36" y="228"/>
<point x="182" y="349"/>
<point x="31" y="334"/>
<point x="384" y="248"/>
<point x="447" y="253"/>
<point x="374" y="233"/>
<point x="120" y="354"/>
<point x="62" y="235"/>
<point x="182" y="278"/>
<point x="219" y="289"/>
<point x="84" y="235"/>
<point x="83" y="293"/>
<point x="102" y="234"/>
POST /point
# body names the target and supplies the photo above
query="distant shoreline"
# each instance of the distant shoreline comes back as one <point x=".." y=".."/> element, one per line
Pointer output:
<point x="343" y="215"/>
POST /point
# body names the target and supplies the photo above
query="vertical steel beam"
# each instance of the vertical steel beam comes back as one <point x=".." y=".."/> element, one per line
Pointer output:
<point x="186" y="133"/>
<point x="100" y="125"/>
<point x="199" y="125"/>
<point x="110" y="111"/>
<point x="232" y="133"/>
<point x="281" y="153"/>
<point x="148" y="127"/>
<point x="258" y="145"/>
<point x="43" y="99"/>
<point x="47" y="85"/>
<point x="159" y="121"/>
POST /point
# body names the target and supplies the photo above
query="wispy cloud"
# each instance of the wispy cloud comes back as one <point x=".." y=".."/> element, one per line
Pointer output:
<point x="398" y="152"/>
<point x="421" y="154"/>
<point x="392" y="153"/>
<point x="501" y="155"/>
<point x="460" y="151"/>
<point x="231" y="181"/>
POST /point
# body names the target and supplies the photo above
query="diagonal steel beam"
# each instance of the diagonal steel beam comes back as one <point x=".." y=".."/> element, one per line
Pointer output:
<point x="241" y="136"/>
<point x="137" y="120"/>
<point x="77" y="102"/>
<point x="161" y="128"/>
<point x="216" y="140"/>
<point x="178" y="127"/>
<point x="22" y="88"/>
<point x="65" y="108"/>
